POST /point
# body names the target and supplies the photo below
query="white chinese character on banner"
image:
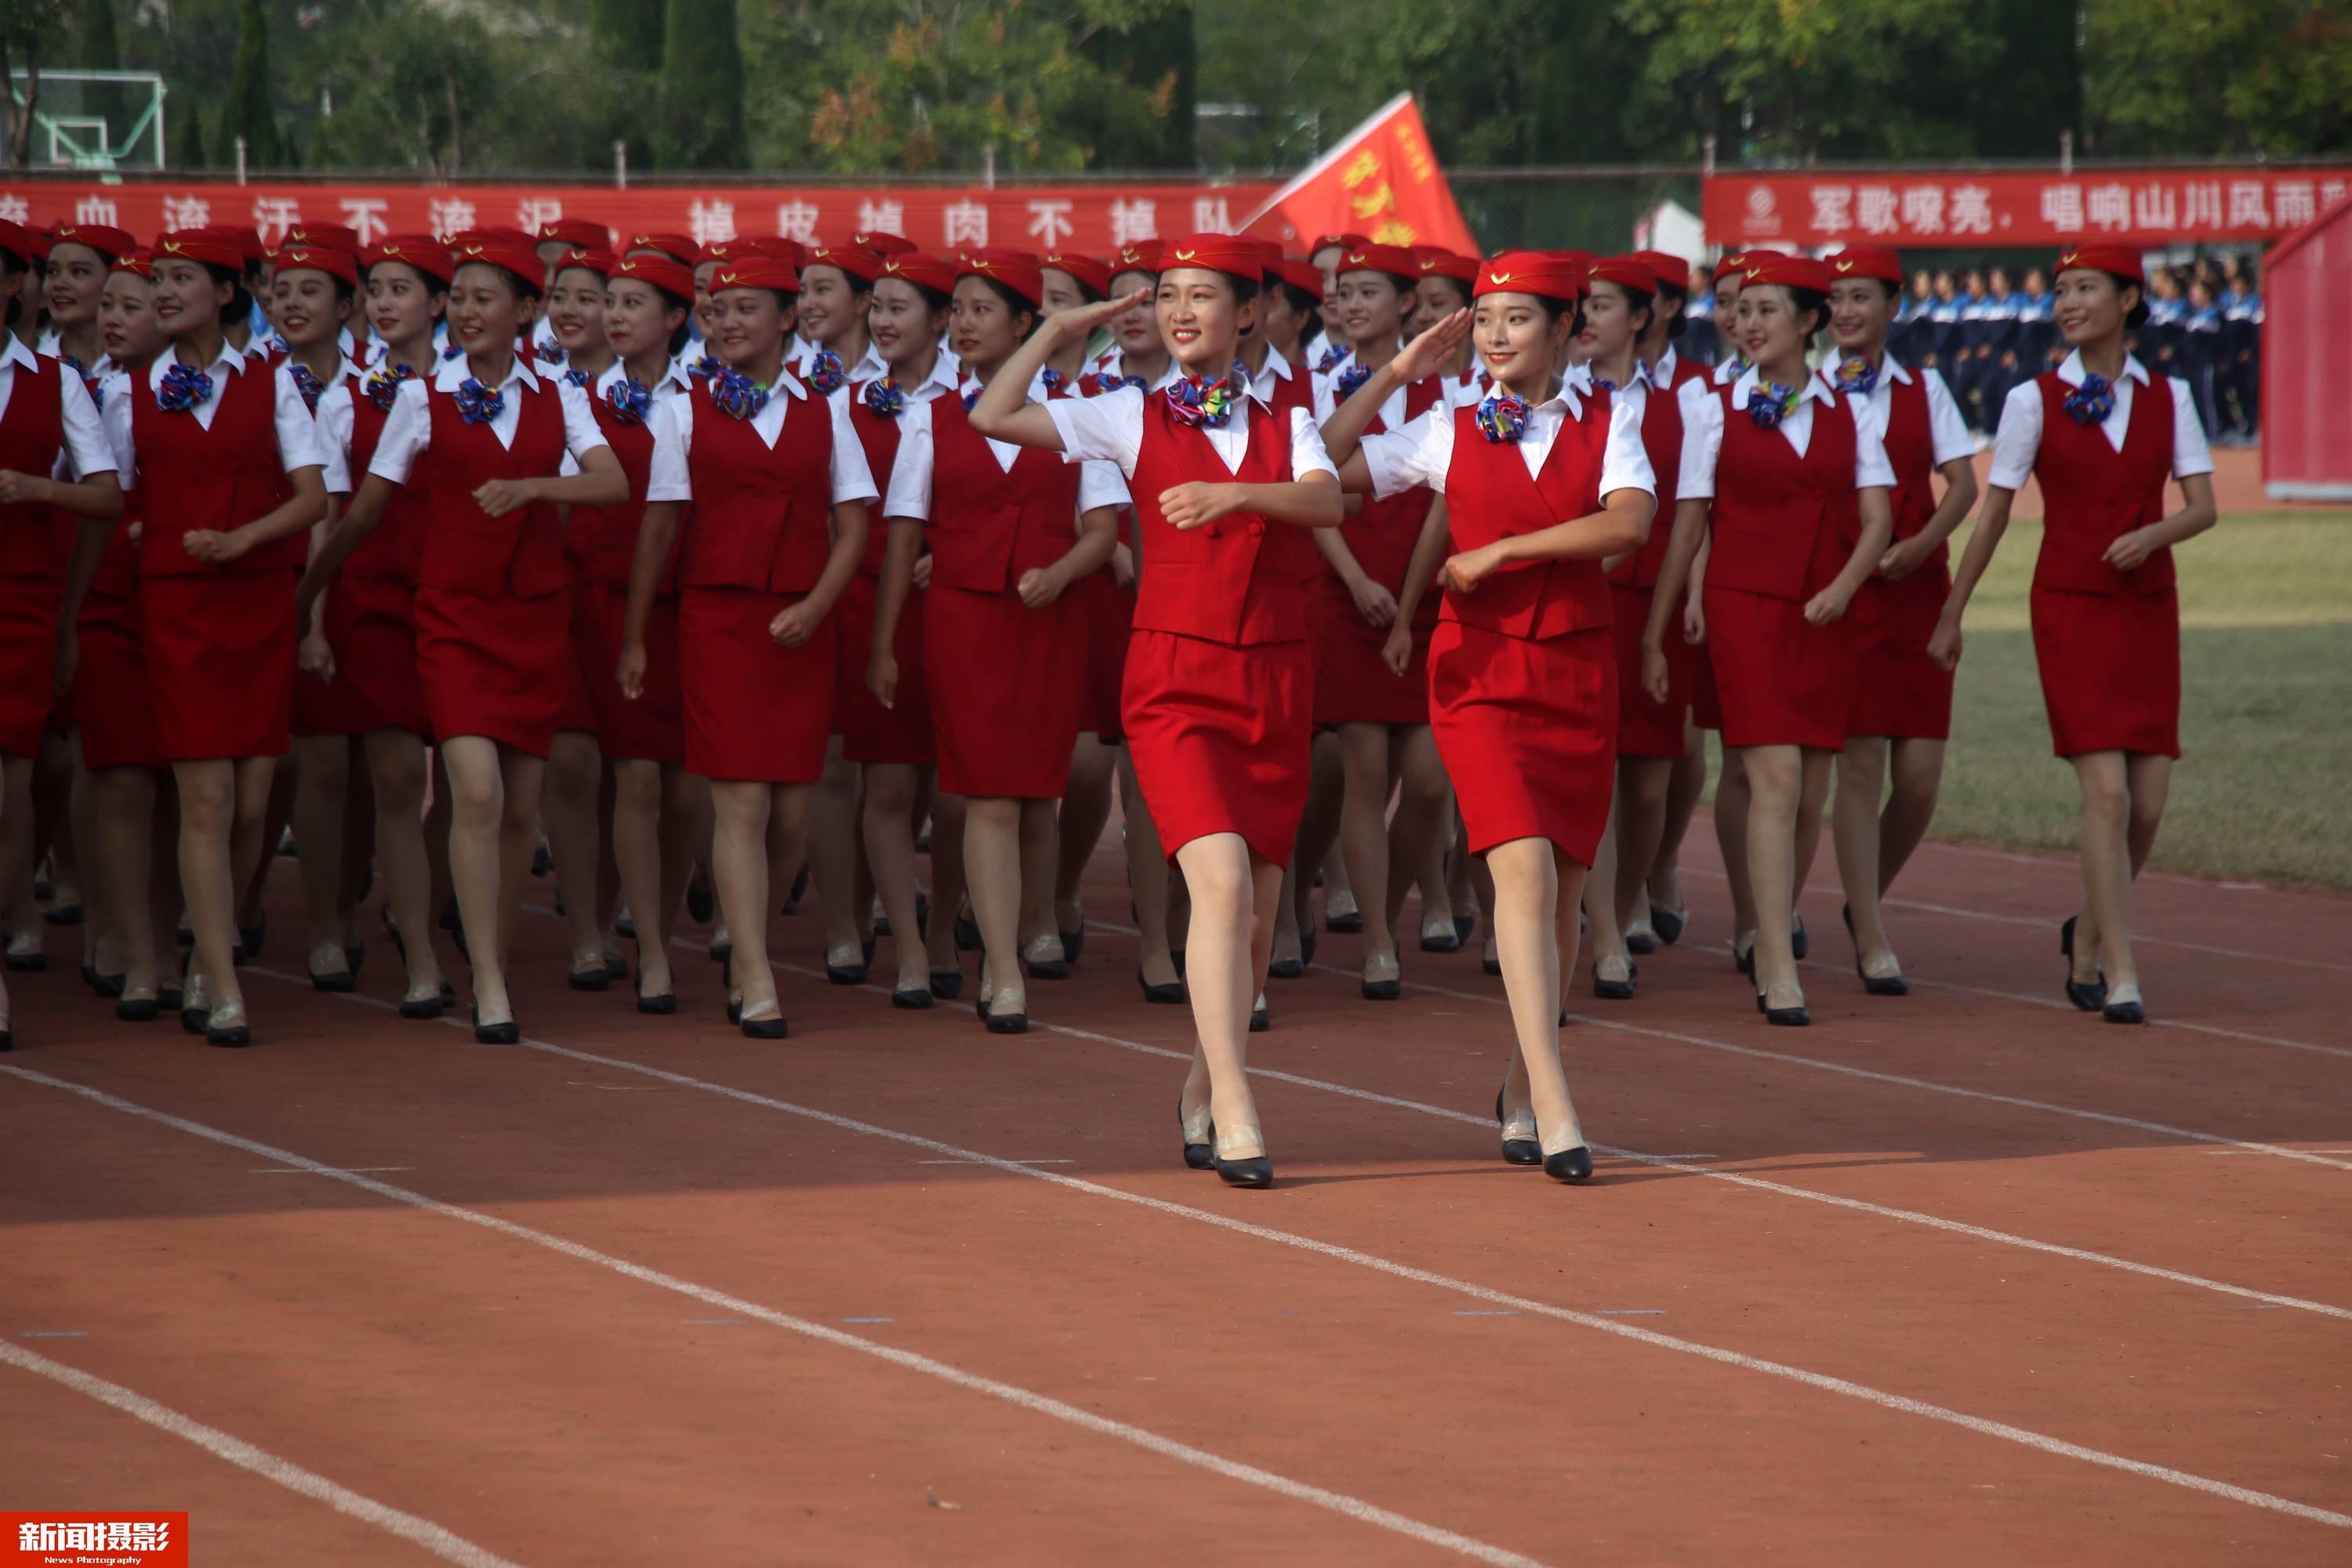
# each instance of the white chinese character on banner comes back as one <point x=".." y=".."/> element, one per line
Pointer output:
<point x="2153" y="207"/>
<point x="2330" y="193"/>
<point x="2108" y="206"/>
<point x="796" y="220"/>
<point x="13" y="208"/>
<point x="1971" y="209"/>
<point x="279" y="213"/>
<point x="2201" y="205"/>
<point x="964" y="223"/>
<point x="1923" y="209"/>
<point x="1050" y="222"/>
<point x="1132" y="221"/>
<point x="710" y="221"/>
<point x="452" y="215"/>
<point x="186" y="212"/>
<point x="1209" y="215"/>
<point x="533" y="212"/>
<point x="881" y="218"/>
<point x="1876" y="209"/>
<point x="365" y="215"/>
<point x="95" y="209"/>
<point x="2291" y="201"/>
<point x="2248" y="207"/>
<point x="1832" y="208"/>
<point x="151" y="1535"/>
<point x="2062" y="208"/>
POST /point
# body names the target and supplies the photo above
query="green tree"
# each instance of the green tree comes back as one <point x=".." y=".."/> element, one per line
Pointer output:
<point x="626" y="35"/>
<point x="1150" y="69"/>
<point x="29" y="29"/>
<point x="2195" y="76"/>
<point x="186" y="140"/>
<point x="251" y="111"/>
<point x="701" y="119"/>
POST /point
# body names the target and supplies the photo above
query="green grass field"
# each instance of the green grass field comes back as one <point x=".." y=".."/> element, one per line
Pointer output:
<point x="2263" y="789"/>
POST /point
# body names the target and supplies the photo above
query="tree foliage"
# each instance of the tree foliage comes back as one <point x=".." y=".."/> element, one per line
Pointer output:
<point x="702" y="121"/>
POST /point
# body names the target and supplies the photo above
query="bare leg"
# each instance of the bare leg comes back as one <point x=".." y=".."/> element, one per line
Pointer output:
<point x="992" y="860"/>
<point x="477" y="812"/>
<point x="222" y="806"/>
<point x="1613" y="964"/>
<point x="102" y="922"/>
<point x="398" y="766"/>
<point x="1147" y="874"/>
<point x="948" y="812"/>
<point x="1861" y="779"/>
<point x="2123" y="807"/>
<point x="1918" y="775"/>
<point x="1364" y="838"/>
<point x="437" y="817"/>
<point x="285" y="783"/>
<point x="834" y="860"/>
<point x="637" y="848"/>
<point x="122" y="848"/>
<point x="575" y="778"/>
<point x="1318" y="828"/>
<point x="1040" y="831"/>
<point x="1686" y="785"/>
<point x="1643" y="788"/>
<point x="1731" y="838"/>
<point x="1227" y="946"/>
<point x="525" y="778"/>
<point x="1419" y="831"/>
<point x="17" y="855"/>
<point x="1537" y="893"/>
<point x="1085" y="811"/>
<point x="1774" y="778"/>
<point x="52" y="820"/>
<point x="739" y="867"/>
<point x="890" y="789"/>
<point x="321" y="785"/>
<point x="1818" y="764"/>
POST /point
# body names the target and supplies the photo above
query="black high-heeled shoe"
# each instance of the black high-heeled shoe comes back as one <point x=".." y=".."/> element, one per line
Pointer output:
<point x="1072" y="943"/>
<point x="1261" y="1019"/>
<point x="423" y="1007"/>
<point x="1744" y="961"/>
<point x="662" y="1005"/>
<point x="1668" y="923"/>
<point x="698" y="902"/>
<point x="967" y="934"/>
<point x="249" y="939"/>
<point x="914" y="999"/>
<point x="506" y="1034"/>
<point x="1169" y="996"/>
<point x="2091" y="996"/>
<point x="1616" y="990"/>
<point x="594" y="979"/>
<point x="1258" y="1171"/>
<point x="1795" y="1017"/>
<point x="615" y="967"/>
<point x="138" y="1009"/>
<point x="1384" y="990"/>
<point x="1048" y="968"/>
<point x="1201" y="1153"/>
<point x="1447" y="941"/>
<point x="1286" y="969"/>
<point x="1871" y="985"/>
<point x="1001" y="1022"/>
<point x="336" y="982"/>
<point x="227" y="1026"/>
<point x="774" y="1028"/>
<point x="844" y="973"/>
<point x="355" y="958"/>
<point x="107" y="985"/>
<point x="1463" y="926"/>
<point x="1798" y="945"/>
<point x="1569" y="1164"/>
<point x="947" y="984"/>
<point x="1516" y="1151"/>
<point x="799" y="889"/>
<point x="2124" y="1009"/>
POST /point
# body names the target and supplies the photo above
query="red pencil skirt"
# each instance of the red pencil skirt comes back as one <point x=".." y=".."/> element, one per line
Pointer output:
<point x="1007" y="691"/>
<point x="2110" y="671"/>
<point x="29" y="609"/>
<point x="900" y="733"/>
<point x="336" y="707"/>
<point x="1647" y="729"/>
<point x="501" y="667"/>
<point x="1110" y="621"/>
<point x="1353" y="685"/>
<point x="372" y="627"/>
<point x="1898" y="689"/>
<point x="112" y="702"/>
<point x="652" y="728"/>
<point x="219" y="656"/>
<point x="1780" y="680"/>
<point x="1221" y="738"/>
<point x="1528" y="732"/>
<point x="756" y="712"/>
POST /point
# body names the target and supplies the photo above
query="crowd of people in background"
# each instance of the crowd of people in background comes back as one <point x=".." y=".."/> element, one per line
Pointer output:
<point x="1987" y="331"/>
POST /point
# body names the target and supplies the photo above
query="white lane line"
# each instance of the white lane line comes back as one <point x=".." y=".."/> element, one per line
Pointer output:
<point x="237" y="1451"/>
<point x="1898" y="1079"/>
<point x="1351" y="1507"/>
<point x="1153" y="1442"/>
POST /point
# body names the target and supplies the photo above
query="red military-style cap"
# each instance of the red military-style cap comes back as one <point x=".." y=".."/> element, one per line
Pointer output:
<point x="601" y="262"/>
<point x="791" y="250"/>
<point x="16" y="237"/>
<point x="1235" y="256"/>
<point x="1867" y="261"/>
<point x="1626" y="272"/>
<point x="208" y="245"/>
<point x="1016" y="269"/>
<point x="246" y="238"/>
<point x="501" y="233"/>
<point x="676" y="246"/>
<point x="1672" y="270"/>
<point x="139" y="262"/>
<point x="882" y="244"/>
<point x="519" y="255"/>
<point x="1573" y="257"/>
<point x="1539" y="272"/>
<point x="675" y="278"/>
<point x="1270" y="253"/>
<point x="1436" y="261"/>
<point x="2117" y="260"/>
<point x="855" y="260"/>
<point x="1736" y="263"/>
<point x="756" y="272"/>
<point x="112" y="243"/>
<point x="1143" y="257"/>
<point x="922" y="270"/>
<point x="576" y="233"/>
<point x="1303" y="275"/>
<point x="1787" y="272"/>
<point x="1393" y="260"/>
<point x="1338" y="242"/>
<point x="421" y="251"/>
<point x="1089" y="273"/>
<point x="340" y="236"/>
<point x="332" y="260"/>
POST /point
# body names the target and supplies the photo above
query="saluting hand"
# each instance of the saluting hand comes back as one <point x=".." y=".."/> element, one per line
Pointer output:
<point x="2128" y="550"/>
<point x="631" y="671"/>
<point x="17" y="489"/>
<point x="1426" y="354"/>
<point x="1039" y="586"/>
<point x="1074" y="324"/>
<point x="795" y="623"/>
<point x="500" y="497"/>
<point x="882" y="678"/>
<point x="315" y="656"/>
<point x="1197" y="504"/>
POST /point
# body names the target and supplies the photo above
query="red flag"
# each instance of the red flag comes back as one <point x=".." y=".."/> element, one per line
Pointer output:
<point x="1382" y="181"/>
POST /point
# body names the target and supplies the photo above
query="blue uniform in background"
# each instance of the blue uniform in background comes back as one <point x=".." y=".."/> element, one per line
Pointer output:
<point x="2242" y="363"/>
<point x="1700" y="342"/>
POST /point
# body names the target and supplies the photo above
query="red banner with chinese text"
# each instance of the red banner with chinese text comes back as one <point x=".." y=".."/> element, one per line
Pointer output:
<point x="1089" y="219"/>
<point x="1382" y="182"/>
<point x="1926" y="209"/>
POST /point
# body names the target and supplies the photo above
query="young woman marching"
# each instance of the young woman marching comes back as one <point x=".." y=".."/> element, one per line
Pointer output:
<point x="2100" y="435"/>
<point x="1217" y="708"/>
<point x="1544" y="483"/>
<point x="887" y="730"/>
<point x="484" y="440"/>
<point x="1903" y="701"/>
<point x="1374" y="613"/>
<point x="366" y="639"/>
<point x="660" y="812"/>
<point x="1010" y="533"/>
<point x="1789" y="490"/>
<point x="48" y="427"/>
<point x="231" y="444"/>
<point x="779" y="486"/>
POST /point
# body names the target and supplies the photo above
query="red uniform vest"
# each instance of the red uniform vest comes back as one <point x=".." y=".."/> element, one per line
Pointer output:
<point x="2093" y="494"/>
<point x="1294" y="391"/>
<point x="394" y="547"/>
<point x="1661" y="442"/>
<point x="1239" y="580"/>
<point x="35" y="541"/>
<point x="1490" y="496"/>
<point x="1382" y="532"/>
<point x="988" y="526"/>
<point x="219" y="479"/>
<point x="465" y="548"/>
<point x="1783" y="525"/>
<point x="1911" y="452"/>
<point x="760" y="514"/>
<point x="879" y="437"/>
<point x="601" y="541"/>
